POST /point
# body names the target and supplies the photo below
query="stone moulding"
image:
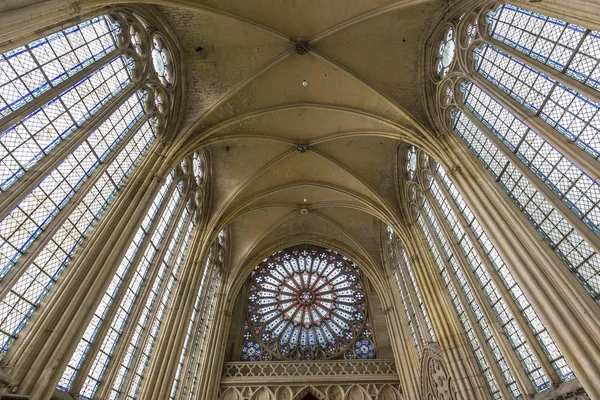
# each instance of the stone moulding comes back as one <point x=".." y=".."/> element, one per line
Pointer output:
<point x="235" y="373"/>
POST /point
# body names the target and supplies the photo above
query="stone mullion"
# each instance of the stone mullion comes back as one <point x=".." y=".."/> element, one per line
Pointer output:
<point x="584" y="160"/>
<point x="121" y="292"/>
<point x="33" y="177"/>
<point x="410" y="290"/>
<point x="160" y="293"/>
<point x="510" y="301"/>
<point x="165" y="360"/>
<point x="511" y="357"/>
<point x="18" y="115"/>
<point x="114" y="305"/>
<point x="42" y="240"/>
<point x="51" y="331"/>
<point x="492" y="364"/>
<point x="210" y="370"/>
<point x="20" y="267"/>
<point x="469" y="381"/>
<point x="405" y="354"/>
<point x="192" y="356"/>
<point x="105" y="387"/>
<point x="410" y="305"/>
<point x="202" y="327"/>
<point x="564" y="306"/>
<point x="582" y="12"/>
<point x="203" y="363"/>
<point x="581" y="227"/>
<point x="556" y="75"/>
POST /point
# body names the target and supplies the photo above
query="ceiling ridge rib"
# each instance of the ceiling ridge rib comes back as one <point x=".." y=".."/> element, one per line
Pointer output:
<point x="218" y="213"/>
<point x="426" y="142"/>
<point x="193" y="5"/>
<point x="250" y="136"/>
<point x="362" y="17"/>
<point x="183" y="140"/>
<point x="382" y="202"/>
<point x="255" y="74"/>
<point x="239" y="210"/>
<point x="369" y="85"/>
<point x="390" y="134"/>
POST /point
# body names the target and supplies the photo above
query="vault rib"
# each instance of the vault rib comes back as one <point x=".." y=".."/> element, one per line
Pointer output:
<point x="362" y="17"/>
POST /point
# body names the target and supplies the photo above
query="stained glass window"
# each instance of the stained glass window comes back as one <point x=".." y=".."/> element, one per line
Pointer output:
<point x="200" y="324"/>
<point x="161" y="61"/>
<point x="446" y="53"/>
<point x="28" y="71"/>
<point x="474" y="339"/>
<point x="103" y="309"/>
<point x="539" y="62"/>
<point x="136" y="278"/>
<point x="307" y="304"/>
<point x="51" y="94"/>
<point x="529" y="314"/>
<point x="24" y="143"/>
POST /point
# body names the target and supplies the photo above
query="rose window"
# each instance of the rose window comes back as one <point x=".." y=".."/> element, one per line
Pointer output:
<point x="307" y="304"/>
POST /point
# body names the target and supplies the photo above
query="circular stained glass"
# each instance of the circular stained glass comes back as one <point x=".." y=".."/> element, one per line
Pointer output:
<point x="446" y="53"/>
<point x="364" y="349"/>
<point x="306" y="304"/>
<point x="251" y="351"/>
<point x="158" y="62"/>
<point x="411" y="167"/>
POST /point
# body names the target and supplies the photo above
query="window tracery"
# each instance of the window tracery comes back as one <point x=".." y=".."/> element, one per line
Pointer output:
<point x="307" y="304"/>
<point x="88" y="83"/>
<point x="525" y="62"/>
<point x="446" y="53"/>
<point x="475" y="268"/>
<point x="401" y="268"/>
<point x="156" y="256"/>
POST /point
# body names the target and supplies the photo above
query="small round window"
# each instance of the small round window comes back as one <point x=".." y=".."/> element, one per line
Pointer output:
<point x="161" y="61"/>
<point x="411" y="167"/>
<point x="198" y="164"/>
<point x="446" y="53"/>
<point x="471" y="32"/>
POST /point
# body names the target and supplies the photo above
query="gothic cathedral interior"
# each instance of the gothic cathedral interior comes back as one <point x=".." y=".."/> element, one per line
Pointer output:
<point x="299" y="199"/>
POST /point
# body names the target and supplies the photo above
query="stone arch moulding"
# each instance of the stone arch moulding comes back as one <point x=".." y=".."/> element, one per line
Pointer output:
<point x="310" y="390"/>
<point x="357" y="392"/>
<point x="231" y="394"/>
<point x="388" y="392"/>
<point x="263" y="394"/>
<point x="436" y="381"/>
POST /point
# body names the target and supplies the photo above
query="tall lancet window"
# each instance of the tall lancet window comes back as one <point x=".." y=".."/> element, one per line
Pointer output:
<point x="515" y="352"/>
<point x="307" y="303"/>
<point x="417" y="316"/>
<point x="114" y="352"/>
<point x="78" y="109"/>
<point x="185" y="384"/>
<point x="524" y="86"/>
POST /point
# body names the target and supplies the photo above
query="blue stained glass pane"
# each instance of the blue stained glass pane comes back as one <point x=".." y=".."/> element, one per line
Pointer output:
<point x="25" y="222"/>
<point x="573" y="115"/>
<point x="28" y="71"/>
<point x="305" y="304"/>
<point x="577" y="190"/>
<point x="577" y="254"/>
<point x="25" y="143"/>
<point x="123" y="312"/>
<point x="538" y="329"/>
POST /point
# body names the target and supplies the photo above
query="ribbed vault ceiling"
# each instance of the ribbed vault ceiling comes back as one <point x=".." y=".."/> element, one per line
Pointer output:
<point x="247" y="105"/>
